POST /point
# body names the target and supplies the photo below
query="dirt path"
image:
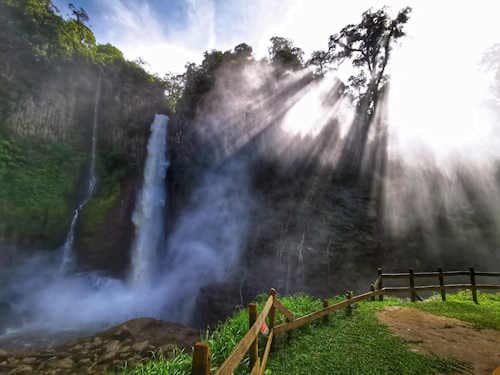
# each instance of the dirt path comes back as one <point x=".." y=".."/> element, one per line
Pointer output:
<point x="446" y="337"/>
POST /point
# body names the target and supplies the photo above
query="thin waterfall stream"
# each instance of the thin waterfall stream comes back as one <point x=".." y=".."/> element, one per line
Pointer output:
<point x="67" y="248"/>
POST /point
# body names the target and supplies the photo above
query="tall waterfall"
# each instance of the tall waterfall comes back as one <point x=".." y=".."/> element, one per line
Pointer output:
<point x="68" y="256"/>
<point x="148" y="216"/>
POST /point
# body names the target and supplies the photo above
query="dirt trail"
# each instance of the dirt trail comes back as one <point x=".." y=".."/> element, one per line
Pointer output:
<point x="446" y="337"/>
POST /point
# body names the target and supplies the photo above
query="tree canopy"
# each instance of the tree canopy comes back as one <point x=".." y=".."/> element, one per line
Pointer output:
<point x="284" y="53"/>
<point x="367" y="46"/>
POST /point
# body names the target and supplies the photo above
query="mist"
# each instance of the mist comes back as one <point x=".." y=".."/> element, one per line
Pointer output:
<point x="274" y="203"/>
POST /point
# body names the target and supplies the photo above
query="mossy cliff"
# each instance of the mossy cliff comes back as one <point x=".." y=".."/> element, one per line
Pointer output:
<point x="50" y="69"/>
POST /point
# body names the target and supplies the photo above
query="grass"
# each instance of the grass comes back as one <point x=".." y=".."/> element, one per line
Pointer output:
<point x="353" y="343"/>
<point x="40" y="182"/>
<point x="461" y="306"/>
<point x="178" y="364"/>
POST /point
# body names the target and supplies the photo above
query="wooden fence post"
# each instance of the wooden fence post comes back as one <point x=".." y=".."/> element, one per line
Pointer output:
<point x="348" y="296"/>
<point x="380" y="285"/>
<point x="441" y="284"/>
<point x="272" y="314"/>
<point x="473" y="284"/>
<point x="254" y="348"/>
<point x="325" y="305"/>
<point x="272" y="310"/>
<point x="372" y="289"/>
<point x="201" y="359"/>
<point x="413" y="294"/>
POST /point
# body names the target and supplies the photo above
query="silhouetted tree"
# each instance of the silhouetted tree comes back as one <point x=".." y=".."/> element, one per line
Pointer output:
<point x="368" y="46"/>
<point x="80" y="14"/>
<point x="283" y="52"/>
<point x="243" y="50"/>
<point x="174" y="86"/>
<point x="320" y="60"/>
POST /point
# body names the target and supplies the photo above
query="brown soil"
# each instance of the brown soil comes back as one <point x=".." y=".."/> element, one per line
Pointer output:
<point x="446" y="337"/>
<point x="128" y="345"/>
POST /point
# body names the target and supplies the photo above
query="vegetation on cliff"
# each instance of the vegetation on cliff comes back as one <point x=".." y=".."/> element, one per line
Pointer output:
<point x="49" y="68"/>
<point x="42" y="182"/>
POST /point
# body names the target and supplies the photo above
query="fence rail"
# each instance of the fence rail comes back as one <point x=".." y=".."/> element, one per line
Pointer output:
<point x="412" y="289"/>
<point x="249" y="343"/>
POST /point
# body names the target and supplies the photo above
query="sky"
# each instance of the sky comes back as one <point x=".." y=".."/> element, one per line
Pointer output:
<point x="169" y="33"/>
<point x="435" y="71"/>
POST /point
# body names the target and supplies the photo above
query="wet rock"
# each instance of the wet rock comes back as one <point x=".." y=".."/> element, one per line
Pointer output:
<point x="126" y="345"/>
<point x="22" y="370"/>
<point x="140" y="346"/>
<point x="65" y="363"/>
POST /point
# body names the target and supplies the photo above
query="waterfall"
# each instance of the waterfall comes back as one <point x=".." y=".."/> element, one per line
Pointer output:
<point x="148" y="216"/>
<point x="67" y="248"/>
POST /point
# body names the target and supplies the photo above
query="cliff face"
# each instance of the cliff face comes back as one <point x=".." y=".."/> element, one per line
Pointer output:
<point x="56" y="113"/>
<point x="61" y="109"/>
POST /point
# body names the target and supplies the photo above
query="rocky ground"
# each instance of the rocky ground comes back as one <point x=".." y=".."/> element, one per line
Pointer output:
<point x="122" y="346"/>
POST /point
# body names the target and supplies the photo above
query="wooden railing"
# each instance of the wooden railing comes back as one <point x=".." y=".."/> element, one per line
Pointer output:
<point x="249" y="343"/>
<point x="412" y="289"/>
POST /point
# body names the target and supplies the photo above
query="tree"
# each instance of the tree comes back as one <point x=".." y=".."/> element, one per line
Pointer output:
<point x="319" y="59"/>
<point x="173" y="85"/>
<point x="243" y="50"/>
<point x="283" y="52"/>
<point x="80" y="14"/>
<point x="368" y="46"/>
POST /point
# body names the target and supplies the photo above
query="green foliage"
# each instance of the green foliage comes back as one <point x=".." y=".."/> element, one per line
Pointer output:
<point x="200" y="79"/>
<point x="40" y="35"/>
<point x="42" y="178"/>
<point x="107" y="53"/>
<point x="178" y="364"/>
<point x="112" y="168"/>
<point x="355" y="344"/>
<point x="283" y="52"/>
<point x="173" y="85"/>
<point x="461" y="306"/>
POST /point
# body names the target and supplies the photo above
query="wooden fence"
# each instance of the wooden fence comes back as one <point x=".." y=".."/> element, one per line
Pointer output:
<point x="412" y="289"/>
<point x="249" y="343"/>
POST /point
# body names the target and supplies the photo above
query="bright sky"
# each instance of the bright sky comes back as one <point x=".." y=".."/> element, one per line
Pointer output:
<point x="435" y="76"/>
<point x="168" y="33"/>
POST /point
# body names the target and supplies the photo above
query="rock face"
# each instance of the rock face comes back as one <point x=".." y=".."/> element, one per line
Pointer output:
<point x="57" y="107"/>
<point x="60" y="109"/>
<point x="128" y="344"/>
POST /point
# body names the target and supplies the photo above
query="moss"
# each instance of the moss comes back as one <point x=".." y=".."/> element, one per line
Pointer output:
<point x="38" y="189"/>
<point x="112" y="169"/>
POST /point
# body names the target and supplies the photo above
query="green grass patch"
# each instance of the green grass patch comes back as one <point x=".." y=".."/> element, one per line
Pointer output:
<point x="461" y="306"/>
<point x="39" y="181"/>
<point x="179" y="363"/>
<point x="355" y="343"/>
